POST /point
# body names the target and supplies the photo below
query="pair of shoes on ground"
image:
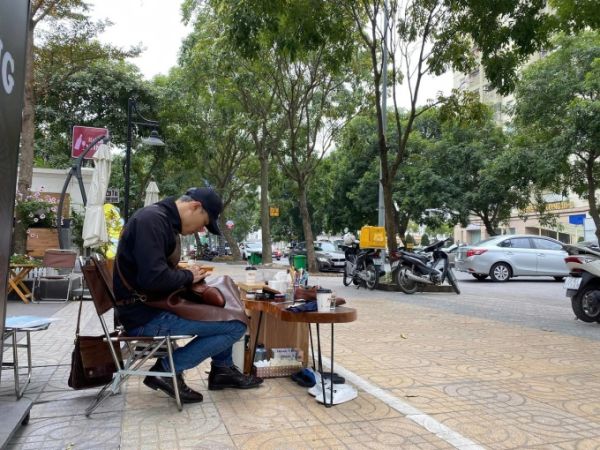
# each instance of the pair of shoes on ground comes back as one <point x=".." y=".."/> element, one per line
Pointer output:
<point x="231" y="377"/>
<point x="165" y="384"/>
<point x="219" y="378"/>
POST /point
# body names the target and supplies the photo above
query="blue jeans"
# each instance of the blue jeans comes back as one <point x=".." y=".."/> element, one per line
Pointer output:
<point x="212" y="339"/>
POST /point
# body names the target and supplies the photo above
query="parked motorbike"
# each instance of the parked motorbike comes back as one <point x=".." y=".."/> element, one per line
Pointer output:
<point x="583" y="283"/>
<point x="360" y="267"/>
<point x="205" y="253"/>
<point x="412" y="271"/>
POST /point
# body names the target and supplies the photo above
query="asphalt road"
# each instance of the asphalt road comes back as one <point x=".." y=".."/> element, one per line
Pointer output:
<point x="532" y="302"/>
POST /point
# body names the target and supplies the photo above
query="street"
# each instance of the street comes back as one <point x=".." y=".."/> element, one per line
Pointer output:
<point x="534" y="302"/>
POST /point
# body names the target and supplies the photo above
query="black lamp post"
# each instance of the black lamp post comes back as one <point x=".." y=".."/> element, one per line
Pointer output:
<point x="153" y="140"/>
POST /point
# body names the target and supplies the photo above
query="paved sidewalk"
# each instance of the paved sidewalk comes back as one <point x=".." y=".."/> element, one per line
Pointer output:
<point x="427" y="379"/>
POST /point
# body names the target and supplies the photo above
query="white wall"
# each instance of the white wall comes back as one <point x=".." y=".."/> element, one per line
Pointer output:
<point x="53" y="180"/>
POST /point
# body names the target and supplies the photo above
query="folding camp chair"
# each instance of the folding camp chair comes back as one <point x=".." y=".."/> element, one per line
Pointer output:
<point x="58" y="267"/>
<point x="139" y="349"/>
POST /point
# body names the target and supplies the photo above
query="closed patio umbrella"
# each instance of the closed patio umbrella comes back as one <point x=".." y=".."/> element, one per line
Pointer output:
<point x="94" y="224"/>
<point x="151" y="194"/>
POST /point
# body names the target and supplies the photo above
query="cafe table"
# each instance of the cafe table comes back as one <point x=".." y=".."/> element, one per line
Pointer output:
<point x="16" y="274"/>
<point x="341" y="314"/>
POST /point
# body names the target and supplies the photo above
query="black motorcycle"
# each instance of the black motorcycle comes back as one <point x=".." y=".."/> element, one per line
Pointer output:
<point x="412" y="271"/>
<point x="360" y="267"/>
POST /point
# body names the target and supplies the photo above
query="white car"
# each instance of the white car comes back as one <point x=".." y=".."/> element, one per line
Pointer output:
<point x="247" y="248"/>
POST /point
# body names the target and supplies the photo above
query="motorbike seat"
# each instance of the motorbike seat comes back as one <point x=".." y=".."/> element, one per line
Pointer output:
<point x="418" y="256"/>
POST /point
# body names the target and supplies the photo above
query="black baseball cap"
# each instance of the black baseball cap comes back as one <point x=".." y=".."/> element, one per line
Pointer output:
<point x="212" y="203"/>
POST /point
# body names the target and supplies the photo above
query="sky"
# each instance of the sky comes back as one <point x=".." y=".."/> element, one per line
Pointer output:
<point x="157" y="26"/>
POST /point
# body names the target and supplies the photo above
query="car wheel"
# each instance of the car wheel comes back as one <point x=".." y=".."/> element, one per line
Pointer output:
<point x="559" y="278"/>
<point x="500" y="272"/>
<point x="586" y="303"/>
<point x="480" y="276"/>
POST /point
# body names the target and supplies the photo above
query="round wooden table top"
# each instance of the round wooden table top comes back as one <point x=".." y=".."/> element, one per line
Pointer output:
<point x="341" y="314"/>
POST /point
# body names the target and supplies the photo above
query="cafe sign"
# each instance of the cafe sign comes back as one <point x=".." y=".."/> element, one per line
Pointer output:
<point x="550" y="206"/>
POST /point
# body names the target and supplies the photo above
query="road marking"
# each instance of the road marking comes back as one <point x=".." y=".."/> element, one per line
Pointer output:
<point x="410" y="412"/>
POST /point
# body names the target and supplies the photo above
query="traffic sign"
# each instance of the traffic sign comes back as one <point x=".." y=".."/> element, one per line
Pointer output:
<point x="82" y="137"/>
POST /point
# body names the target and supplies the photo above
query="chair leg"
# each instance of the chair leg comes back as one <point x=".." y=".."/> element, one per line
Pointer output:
<point x="173" y="374"/>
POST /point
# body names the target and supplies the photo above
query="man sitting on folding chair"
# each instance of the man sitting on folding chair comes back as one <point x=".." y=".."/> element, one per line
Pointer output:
<point x="146" y="267"/>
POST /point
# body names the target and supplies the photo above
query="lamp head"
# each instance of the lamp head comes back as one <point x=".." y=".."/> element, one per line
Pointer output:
<point x="153" y="140"/>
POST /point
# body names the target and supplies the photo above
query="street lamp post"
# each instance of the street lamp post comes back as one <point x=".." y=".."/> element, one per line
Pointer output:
<point x="153" y="140"/>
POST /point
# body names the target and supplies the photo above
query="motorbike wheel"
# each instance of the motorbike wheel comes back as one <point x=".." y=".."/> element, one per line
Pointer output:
<point x="406" y="285"/>
<point x="453" y="281"/>
<point x="586" y="303"/>
<point x="371" y="280"/>
<point x="347" y="278"/>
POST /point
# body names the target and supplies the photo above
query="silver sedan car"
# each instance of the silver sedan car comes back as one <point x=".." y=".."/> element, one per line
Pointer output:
<point x="508" y="256"/>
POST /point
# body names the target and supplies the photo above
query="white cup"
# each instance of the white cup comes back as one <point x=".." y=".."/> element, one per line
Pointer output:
<point x="323" y="302"/>
<point x="250" y="276"/>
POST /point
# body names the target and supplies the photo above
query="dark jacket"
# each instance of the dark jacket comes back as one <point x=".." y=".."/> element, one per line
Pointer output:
<point x="147" y="241"/>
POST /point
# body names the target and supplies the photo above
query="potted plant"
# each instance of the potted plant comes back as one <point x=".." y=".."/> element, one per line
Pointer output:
<point x="37" y="211"/>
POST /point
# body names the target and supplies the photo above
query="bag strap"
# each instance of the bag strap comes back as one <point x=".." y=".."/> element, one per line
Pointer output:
<point x="123" y="280"/>
<point x="78" y="318"/>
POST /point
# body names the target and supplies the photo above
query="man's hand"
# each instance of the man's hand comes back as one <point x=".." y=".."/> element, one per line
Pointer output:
<point x="199" y="273"/>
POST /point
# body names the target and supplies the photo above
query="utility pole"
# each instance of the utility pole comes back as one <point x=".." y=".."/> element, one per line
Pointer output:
<point x="381" y="209"/>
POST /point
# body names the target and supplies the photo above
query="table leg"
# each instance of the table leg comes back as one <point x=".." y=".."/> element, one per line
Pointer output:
<point x="321" y="371"/>
<point x="312" y="348"/>
<point x="331" y="379"/>
<point x="16" y="283"/>
<point x="252" y="369"/>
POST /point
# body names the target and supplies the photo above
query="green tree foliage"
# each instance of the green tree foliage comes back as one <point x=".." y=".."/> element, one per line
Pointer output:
<point x="94" y="96"/>
<point x="557" y="114"/>
<point x="67" y="44"/>
<point x="425" y="239"/>
<point x="480" y="172"/>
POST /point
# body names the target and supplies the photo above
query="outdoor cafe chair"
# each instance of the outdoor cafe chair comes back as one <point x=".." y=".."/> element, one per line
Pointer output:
<point x="138" y="349"/>
<point x="57" y="265"/>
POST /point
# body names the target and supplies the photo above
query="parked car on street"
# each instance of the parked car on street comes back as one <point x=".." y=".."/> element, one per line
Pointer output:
<point x="329" y="258"/>
<point x="277" y="254"/>
<point x="509" y="256"/>
<point x="451" y="252"/>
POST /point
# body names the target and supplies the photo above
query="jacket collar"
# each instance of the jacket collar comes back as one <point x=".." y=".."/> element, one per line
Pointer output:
<point x="168" y="204"/>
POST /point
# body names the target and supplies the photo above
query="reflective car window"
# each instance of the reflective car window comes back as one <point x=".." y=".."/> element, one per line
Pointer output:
<point x="546" y="244"/>
<point x="520" y="243"/>
<point x="327" y="246"/>
<point x="505" y="243"/>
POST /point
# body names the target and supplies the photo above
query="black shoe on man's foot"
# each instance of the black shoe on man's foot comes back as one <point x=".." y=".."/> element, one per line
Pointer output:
<point x="165" y="384"/>
<point x="231" y="377"/>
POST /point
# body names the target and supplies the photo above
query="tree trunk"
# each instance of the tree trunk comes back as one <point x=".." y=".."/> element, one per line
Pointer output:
<point x="591" y="185"/>
<point x="306" y="226"/>
<point x="402" y="225"/>
<point x="27" y="136"/>
<point x="390" y="217"/>
<point x="228" y="235"/>
<point x="489" y="226"/>
<point x="265" y="220"/>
